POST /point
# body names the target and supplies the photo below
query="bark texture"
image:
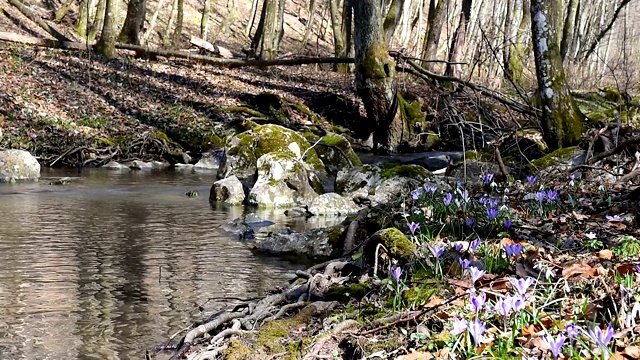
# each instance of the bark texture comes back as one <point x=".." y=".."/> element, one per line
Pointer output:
<point x="266" y="39"/>
<point x="376" y="76"/>
<point x="106" y="45"/>
<point x="561" y="119"/>
<point x="456" y="52"/>
<point x="136" y="12"/>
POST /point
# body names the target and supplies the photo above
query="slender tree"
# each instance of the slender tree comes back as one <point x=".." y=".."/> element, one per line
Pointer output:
<point x="561" y="119"/>
<point x="267" y="37"/>
<point x="106" y="45"/>
<point x="456" y="51"/>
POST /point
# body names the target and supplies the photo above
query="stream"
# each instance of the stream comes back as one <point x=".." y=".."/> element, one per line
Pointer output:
<point x="115" y="262"/>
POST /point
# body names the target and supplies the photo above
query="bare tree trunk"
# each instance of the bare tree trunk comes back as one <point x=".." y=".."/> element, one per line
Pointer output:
<point x="136" y="13"/>
<point x="339" y="48"/>
<point x="392" y="19"/>
<point x="561" y="119"/>
<point x="307" y="33"/>
<point x="437" y="17"/>
<point x="376" y="76"/>
<point x="152" y="23"/>
<point x="456" y="52"/>
<point x="98" y="21"/>
<point x="83" y="17"/>
<point x="506" y="49"/>
<point x="253" y="12"/>
<point x="178" y="31"/>
<point x="266" y="38"/>
<point x="204" y="22"/>
<point x="62" y="12"/>
<point x="106" y="45"/>
<point x="230" y="18"/>
<point x="567" y="29"/>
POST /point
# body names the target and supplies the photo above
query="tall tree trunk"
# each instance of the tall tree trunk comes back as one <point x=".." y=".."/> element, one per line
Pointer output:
<point x="437" y="17"/>
<point x="266" y="38"/>
<point x="83" y="17"/>
<point x="98" y="22"/>
<point x="307" y="32"/>
<point x="204" y="22"/>
<point x="506" y="48"/>
<point x="136" y="13"/>
<point x="232" y="12"/>
<point x="167" y="37"/>
<point x="567" y="29"/>
<point x="106" y="45"/>
<point x="456" y="52"/>
<point x="339" y="48"/>
<point x="178" y="31"/>
<point x="376" y="76"/>
<point x="152" y="23"/>
<point x="561" y="119"/>
<point x="252" y="19"/>
<point x="392" y="19"/>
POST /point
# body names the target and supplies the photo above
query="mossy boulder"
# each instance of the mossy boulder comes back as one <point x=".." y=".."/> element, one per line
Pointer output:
<point x="381" y="183"/>
<point x="247" y="147"/>
<point x="283" y="181"/>
<point x="561" y="159"/>
<point x="397" y="242"/>
<point x="336" y="153"/>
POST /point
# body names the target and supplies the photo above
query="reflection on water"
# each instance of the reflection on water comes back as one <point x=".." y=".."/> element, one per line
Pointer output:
<point x="114" y="263"/>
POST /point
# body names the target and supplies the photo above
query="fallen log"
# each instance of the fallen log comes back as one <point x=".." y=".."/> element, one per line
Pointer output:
<point x="214" y="49"/>
<point x="38" y="20"/>
<point x="186" y="55"/>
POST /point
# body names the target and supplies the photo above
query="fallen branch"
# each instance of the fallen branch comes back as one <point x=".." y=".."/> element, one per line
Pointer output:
<point x="177" y="54"/>
<point x="618" y="149"/>
<point x="349" y="239"/>
<point x="38" y="20"/>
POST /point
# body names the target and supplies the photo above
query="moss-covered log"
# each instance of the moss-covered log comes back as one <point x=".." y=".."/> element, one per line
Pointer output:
<point x="561" y="119"/>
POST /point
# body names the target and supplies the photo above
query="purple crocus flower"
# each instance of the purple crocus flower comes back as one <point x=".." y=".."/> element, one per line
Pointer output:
<point x="475" y="244"/>
<point x="447" y="199"/>
<point x="478" y="301"/>
<point x="413" y="227"/>
<point x="517" y="303"/>
<point x="396" y="271"/>
<point x="415" y="194"/>
<point x="430" y="188"/>
<point x="552" y="195"/>
<point x="475" y="273"/>
<point x="600" y="338"/>
<point x="572" y="331"/>
<point x="459" y="326"/>
<point x="541" y="195"/>
<point x="555" y="344"/>
<point x="464" y="263"/>
<point x="476" y="329"/>
<point x="614" y="218"/>
<point x="521" y="285"/>
<point x="436" y="250"/>
<point x="503" y="306"/>
<point x="513" y="250"/>
<point x="493" y="202"/>
<point x="458" y="247"/>
<point x="487" y="178"/>
<point x="507" y="223"/>
<point x="532" y="179"/>
<point x="637" y="268"/>
<point x="492" y="213"/>
<point x="470" y="222"/>
<point x="483" y="199"/>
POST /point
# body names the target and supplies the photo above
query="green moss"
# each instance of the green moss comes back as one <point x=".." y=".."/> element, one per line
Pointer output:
<point x="345" y="293"/>
<point x="553" y="158"/>
<point x="273" y="335"/>
<point x="411" y="113"/>
<point x="335" y="235"/>
<point x="417" y="172"/>
<point x="313" y="117"/>
<point x="341" y="143"/>
<point x="236" y="351"/>
<point x="245" y="110"/>
<point x="612" y="94"/>
<point x="397" y="242"/>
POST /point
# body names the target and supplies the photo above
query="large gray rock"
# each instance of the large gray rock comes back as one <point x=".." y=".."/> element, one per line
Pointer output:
<point x="283" y="181"/>
<point x="336" y="153"/>
<point x="384" y="182"/>
<point x="211" y="160"/>
<point x="228" y="190"/>
<point x="17" y="165"/>
<point x="332" y="204"/>
<point x="315" y="244"/>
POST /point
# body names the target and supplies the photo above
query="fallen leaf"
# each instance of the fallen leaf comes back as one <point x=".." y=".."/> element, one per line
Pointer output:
<point x="417" y="355"/>
<point x="625" y="269"/>
<point x="605" y="254"/>
<point x="578" y="269"/>
<point x="632" y="352"/>
<point x="579" y="216"/>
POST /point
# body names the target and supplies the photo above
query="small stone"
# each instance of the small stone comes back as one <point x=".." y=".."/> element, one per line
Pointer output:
<point x="229" y="190"/>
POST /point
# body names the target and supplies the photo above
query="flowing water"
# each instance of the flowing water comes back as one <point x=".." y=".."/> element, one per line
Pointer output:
<point x="114" y="263"/>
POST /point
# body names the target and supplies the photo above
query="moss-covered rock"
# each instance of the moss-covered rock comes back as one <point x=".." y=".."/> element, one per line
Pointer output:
<point x="336" y="153"/>
<point x="562" y="158"/>
<point x="247" y="147"/>
<point x="397" y="243"/>
<point x="416" y="172"/>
